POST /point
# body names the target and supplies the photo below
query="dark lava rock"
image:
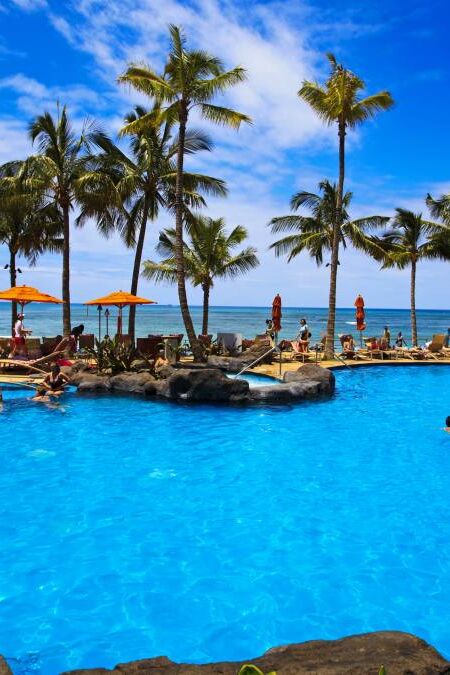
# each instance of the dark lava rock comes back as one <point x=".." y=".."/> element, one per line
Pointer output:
<point x="400" y="653"/>
<point x="131" y="382"/>
<point x="233" y="364"/>
<point x="4" y="668"/>
<point x="207" y="384"/>
<point x="288" y="392"/>
<point x="91" y="382"/>
<point x="312" y="373"/>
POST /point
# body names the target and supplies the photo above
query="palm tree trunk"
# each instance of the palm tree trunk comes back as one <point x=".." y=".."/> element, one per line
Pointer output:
<point x="66" y="271"/>
<point x="413" y="304"/>
<point x="331" y="324"/>
<point x="206" y="288"/>
<point x="179" y="205"/>
<point x="136" y="270"/>
<point x="13" y="280"/>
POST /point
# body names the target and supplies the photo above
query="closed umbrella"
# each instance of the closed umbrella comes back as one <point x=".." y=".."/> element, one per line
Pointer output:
<point x="360" y="315"/>
<point x="120" y="299"/>
<point x="276" y="313"/>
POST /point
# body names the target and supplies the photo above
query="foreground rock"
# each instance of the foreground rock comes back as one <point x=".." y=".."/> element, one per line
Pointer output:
<point x="211" y="385"/>
<point x="207" y="384"/>
<point x="400" y="653"/>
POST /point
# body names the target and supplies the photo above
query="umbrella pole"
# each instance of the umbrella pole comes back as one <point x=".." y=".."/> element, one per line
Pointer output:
<point x="99" y="310"/>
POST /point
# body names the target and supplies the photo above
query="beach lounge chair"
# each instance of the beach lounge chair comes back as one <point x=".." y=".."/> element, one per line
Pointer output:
<point x="34" y="348"/>
<point x="150" y="346"/>
<point x="86" y="341"/>
<point x="435" y="349"/>
<point x="5" y="346"/>
<point x="41" y="365"/>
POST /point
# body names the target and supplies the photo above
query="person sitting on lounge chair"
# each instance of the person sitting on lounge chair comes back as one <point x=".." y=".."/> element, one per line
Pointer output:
<point x="348" y="347"/>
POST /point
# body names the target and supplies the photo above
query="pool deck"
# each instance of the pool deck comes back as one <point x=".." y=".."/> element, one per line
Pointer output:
<point x="273" y="369"/>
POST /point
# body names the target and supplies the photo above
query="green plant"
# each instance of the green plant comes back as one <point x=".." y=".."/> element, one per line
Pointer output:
<point x="250" y="669"/>
<point x="382" y="671"/>
<point x="112" y="355"/>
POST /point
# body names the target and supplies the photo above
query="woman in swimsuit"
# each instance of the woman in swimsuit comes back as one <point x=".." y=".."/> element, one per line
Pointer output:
<point x="56" y="381"/>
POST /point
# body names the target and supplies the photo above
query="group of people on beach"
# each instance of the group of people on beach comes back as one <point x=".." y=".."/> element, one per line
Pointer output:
<point x="62" y="344"/>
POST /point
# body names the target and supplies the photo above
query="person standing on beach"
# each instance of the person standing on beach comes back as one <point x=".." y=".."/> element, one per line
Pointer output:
<point x="386" y="339"/>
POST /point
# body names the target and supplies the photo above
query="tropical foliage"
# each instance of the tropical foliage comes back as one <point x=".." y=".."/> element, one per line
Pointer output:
<point x="55" y="177"/>
<point x="27" y="228"/>
<point x="126" y="190"/>
<point x="410" y="239"/>
<point x="191" y="80"/>
<point x="339" y="102"/>
<point x="209" y="254"/>
<point x="315" y="233"/>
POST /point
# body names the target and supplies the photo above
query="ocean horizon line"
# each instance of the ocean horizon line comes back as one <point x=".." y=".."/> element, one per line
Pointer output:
<point x="294" y="307"/>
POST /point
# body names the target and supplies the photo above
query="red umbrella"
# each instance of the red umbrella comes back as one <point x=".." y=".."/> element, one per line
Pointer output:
<point x="276" y="313"/>
<point x="360" y="315"/>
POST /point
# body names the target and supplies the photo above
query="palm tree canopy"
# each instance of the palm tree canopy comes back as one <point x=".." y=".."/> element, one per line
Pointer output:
<point x="339" y="99"/>
<point x="439" y="208"/>
<point x="191" y="79"/>
<point x="314" y="233"/>
<point x="209" y="253"/>
<point x="412" y="238"/>
<point x="120" y="186"/>
<point x="27" y="226"/>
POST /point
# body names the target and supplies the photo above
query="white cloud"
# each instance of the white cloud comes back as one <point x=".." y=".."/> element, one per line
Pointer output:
<point x="29" y="5"/>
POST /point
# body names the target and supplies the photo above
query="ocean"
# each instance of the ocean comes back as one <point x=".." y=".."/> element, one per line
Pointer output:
<point x="163" y="319"/>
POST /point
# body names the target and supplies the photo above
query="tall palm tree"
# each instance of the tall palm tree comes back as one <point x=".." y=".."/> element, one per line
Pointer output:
<point x="128" y="190"/>
<point x="410" y="239"/>
<point x="339" y="102"/>
<point x="439" y="208"/>
<point x="55" y="175"/>
<point x="208" y="255"/>
<point x="315" y="233"/>
<point x="26" y="228"/>
<point x="191" y="80"/>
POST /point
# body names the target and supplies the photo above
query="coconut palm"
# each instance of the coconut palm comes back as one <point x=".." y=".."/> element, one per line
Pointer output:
<point x="191" y="80"/>
<point x="410" y="239"/>
<point x="439" y="208"/>
<point x="55" y="175"/>
<point x="339" y="102"/>
<point x="26" y="228"/>
<point x="314" y="233"/>
<point x="209" y="254"/>
<point x="127" y="190"/>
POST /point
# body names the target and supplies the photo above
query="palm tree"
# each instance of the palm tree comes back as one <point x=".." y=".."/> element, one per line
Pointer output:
<point x="26" y="228"/>
<point x="127" y="190"/>
<point x="315" y="233"/>
<point x="208" y="255"/>
<point x="192" y="78"/>
<point x="410" y="239"/>
<point x="439" y="208"/>
<point x="339" y="102"/>
<point x="55" y="175"/>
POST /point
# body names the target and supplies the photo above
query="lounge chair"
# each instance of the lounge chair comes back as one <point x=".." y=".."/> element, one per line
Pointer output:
<point x="86" y="341"/>
<point x="435" y="349"/>
<point x="123" y="339"/>
<point x="149" y="347"/>
<point x="40" y="365"/>
<point x="34" y="348"/>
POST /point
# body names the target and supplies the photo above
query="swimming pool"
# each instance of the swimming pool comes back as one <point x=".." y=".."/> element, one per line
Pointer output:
<point x="255" y="379"/>
<point x="132" y="528"/>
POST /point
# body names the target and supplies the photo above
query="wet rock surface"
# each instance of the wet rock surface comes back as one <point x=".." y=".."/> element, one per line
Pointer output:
<point x="400" y="653"/>
<point x="211" y="384"/>
<point x="233" y="364"/>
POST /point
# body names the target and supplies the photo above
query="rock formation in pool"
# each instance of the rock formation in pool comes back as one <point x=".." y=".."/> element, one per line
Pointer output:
<point x="211" y="384"/>
<point x="400" y="653"/>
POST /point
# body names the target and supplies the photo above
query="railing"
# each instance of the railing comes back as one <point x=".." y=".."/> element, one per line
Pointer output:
<point x="253" y="363"/>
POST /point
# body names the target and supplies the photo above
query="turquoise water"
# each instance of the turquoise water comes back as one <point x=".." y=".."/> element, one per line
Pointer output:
<point x="46" y="320"/>
<point x="214" y="533"/>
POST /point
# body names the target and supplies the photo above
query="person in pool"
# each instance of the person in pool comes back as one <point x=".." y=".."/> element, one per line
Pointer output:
<point x="447" y="424"/>
<point x="55" y="382"/>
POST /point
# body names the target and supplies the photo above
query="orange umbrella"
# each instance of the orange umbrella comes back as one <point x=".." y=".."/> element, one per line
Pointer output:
<point x="360" y="315"/>
<point x="25" y="294"/>
<point x="276" y="313"/>
<point x="120" y="299"/>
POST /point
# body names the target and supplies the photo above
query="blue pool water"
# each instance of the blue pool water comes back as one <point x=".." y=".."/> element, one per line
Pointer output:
<point x="130" y="529"/>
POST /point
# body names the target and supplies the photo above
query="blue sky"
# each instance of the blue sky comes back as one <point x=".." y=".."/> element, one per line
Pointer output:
<point x="73" y="51"/>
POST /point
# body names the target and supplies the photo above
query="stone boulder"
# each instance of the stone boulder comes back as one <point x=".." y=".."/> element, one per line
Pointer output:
<point x="130" y="382"/>
<point x="91" y="382"/>
<point x="207" y="384"/>
<point x="4" y="668"/>
<point x="233" y="364"/>
<point x="312" y="373"/>
<point x="400" y="653"/>
<point x="287" y="392"/>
